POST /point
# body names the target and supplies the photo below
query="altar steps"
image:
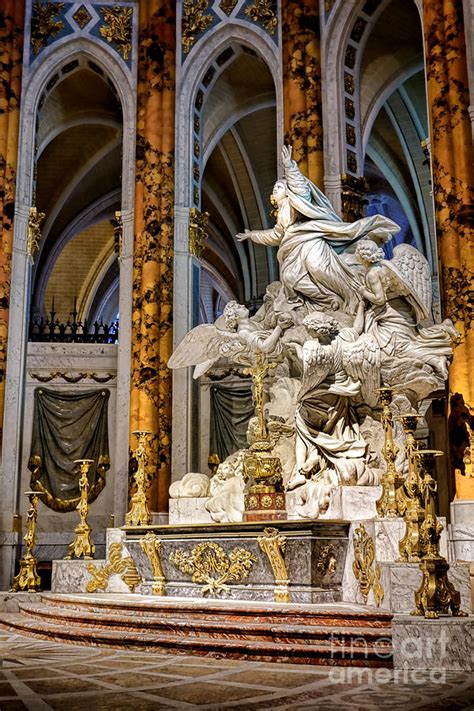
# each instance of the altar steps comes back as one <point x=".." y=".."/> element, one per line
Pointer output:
<point x="306" y="634"/>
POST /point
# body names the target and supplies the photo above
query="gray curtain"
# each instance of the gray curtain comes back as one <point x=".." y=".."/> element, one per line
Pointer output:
<point x="231" y="409"/>
<point x="68" y="426"/>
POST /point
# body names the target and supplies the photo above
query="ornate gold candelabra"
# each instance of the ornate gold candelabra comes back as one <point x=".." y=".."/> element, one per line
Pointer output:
<point x="28" y="578"/>
<point x="139" y="514"/>
<point x="391" y="481"/>
<point x="436" y="594"/>
<point x="409" y="498"/>
<point x="82" y="545"/>
<point x="264" y="500"/>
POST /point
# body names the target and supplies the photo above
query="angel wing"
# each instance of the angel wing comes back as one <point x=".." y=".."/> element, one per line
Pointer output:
<point x="361" y="360"/>
<point x="318" y="362"/>
<point x="204" y="345"/>
<point x="412" y="270"/>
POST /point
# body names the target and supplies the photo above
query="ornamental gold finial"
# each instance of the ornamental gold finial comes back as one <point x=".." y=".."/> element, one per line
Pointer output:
<point x="139" y="514"/>
<point x="436" y="594"/>
<point x="391" y="481"/>
<point x="28" y="578"/>
<point x="409" y="497"/>
<point x="82" y="545"/>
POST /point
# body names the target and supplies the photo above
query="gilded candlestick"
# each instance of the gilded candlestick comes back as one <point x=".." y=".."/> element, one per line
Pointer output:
<point x="391" y="481"/>
<point x="82" y="545"/>
<point x="139" y="514"/>
<point x="436" y="594"/>
<point x="28" y="578"/>
<point x="409" y="498"/>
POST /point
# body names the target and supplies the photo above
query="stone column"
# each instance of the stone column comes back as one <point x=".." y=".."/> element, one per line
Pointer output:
<point x="302" y="86"/>
<point x="12" y="15"/>
<point x="451" y="150"/>
<point x="150" y="407"/>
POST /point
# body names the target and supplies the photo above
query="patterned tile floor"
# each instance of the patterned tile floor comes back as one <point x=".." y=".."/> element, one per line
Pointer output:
<point x="39" y="676"/>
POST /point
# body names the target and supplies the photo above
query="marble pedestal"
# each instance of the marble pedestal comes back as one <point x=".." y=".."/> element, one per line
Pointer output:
<point x="314" y="557"/>
<point x="444" y="644"/>
<point x="189" y="510"/>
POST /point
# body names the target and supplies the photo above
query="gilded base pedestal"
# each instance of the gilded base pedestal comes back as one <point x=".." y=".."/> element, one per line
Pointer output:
<point x="263" y="504"/>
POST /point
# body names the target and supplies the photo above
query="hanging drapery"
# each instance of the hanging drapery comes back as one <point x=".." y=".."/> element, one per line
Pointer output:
<point x="302" y="86"/>
<point x="11" y="51"/>
<point x="231" y="409"/>
<point x="451" y="151"/>
<point x="153" y="254"/>
<point x="68" y="426"/>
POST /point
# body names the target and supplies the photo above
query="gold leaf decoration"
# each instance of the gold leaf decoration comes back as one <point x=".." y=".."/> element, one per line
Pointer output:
<point x="118" y="28"/>
<point x="208" y="563"/>
<point x="273" y="545"/>
<point x="43" y="23"/>
<point x="194" y="22"/>
<point x="366" y="574"/>
<point x="263" y="12"/>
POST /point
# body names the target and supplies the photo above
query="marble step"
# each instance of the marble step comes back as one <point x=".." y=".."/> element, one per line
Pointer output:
<point x="231" y="629"/>
<point x="331" y="614"/>
<point x="323" y="652"/>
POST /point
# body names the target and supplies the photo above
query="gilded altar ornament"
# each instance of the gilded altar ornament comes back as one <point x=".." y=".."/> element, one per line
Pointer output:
<point x="468" y="456"/>
<point x="117" y="28"/>
<point x="151" y="546"/>
<point x="197" y="231"/>
<point x="139" y="514"/>
<point x="82" y="17"/>
<point x="273" y="545"/>
<point x="436" y="594"/>
<point x="194" y="21"/>
<point x="44" y="23"/>
<point x="116" y="564"/>
<point x="263" y="12"/>
<point x="28" y="578"/>
<point x="409" y="498"/>
<point x="208" y="563"/>
<point x="82" y="545"/>
<point x="227" y="6"/>
<point x="366" y="573"/>
<point x="391" y="481"/>
<point x="34" y="230"/>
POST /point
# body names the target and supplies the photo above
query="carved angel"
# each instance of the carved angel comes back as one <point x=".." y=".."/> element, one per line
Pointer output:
<point x="399" y="293"/>
<point x="234" y="335"/>
<point x="339" y="364"/>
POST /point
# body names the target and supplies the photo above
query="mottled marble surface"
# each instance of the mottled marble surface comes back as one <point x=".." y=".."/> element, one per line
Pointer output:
<point x="462" y="512"/>
<point x="446" y="643"/>
<point x="403" y="579"/>
<point x="353" y="503"/>
<point x="189" y="510"/>
<point x="461" y="537"/>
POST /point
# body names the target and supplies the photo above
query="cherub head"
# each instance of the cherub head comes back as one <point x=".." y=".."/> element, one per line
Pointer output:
<point x="320" y="324"/>
<point x="233" y="311"/>
<point x="368" y="252"/>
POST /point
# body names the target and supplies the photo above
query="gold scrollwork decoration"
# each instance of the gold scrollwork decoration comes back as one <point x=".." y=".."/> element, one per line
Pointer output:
<point x="208" y="563"/>
<point x="151" y="546"/>
<point x="194" y="22"/>
<point x="125" y="567"/>
<point x="273" y="544"/>
<point x="34" y="230"/>
<point x="117" y="28"/>
<point x="263" y="13"/>
<point x="366" y="573"/>
<point x="44" y="23"/>
<point x="227" y="6"/>
<point x="197" y="231"/>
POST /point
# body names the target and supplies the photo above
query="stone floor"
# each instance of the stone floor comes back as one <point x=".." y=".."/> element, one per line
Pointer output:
<point x="39" y="676"/>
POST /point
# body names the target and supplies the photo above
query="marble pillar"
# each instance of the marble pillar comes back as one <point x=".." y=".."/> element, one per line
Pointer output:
<point x="11" y="52"/>
<point x="150" y="401"/>
<point x="302" y="86"/>
<point x="451" y="153"/>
